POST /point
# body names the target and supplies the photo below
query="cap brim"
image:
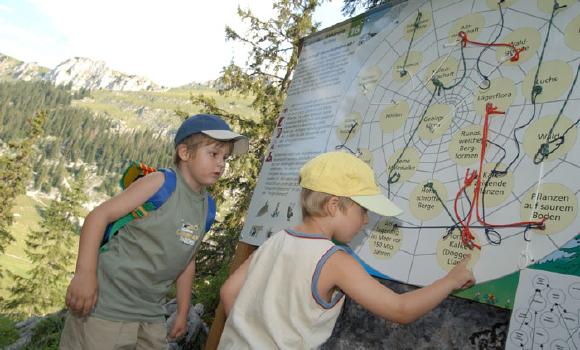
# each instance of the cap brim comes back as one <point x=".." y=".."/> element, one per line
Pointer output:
<point x="378" y="203"/>
<point x="241" y="142"/>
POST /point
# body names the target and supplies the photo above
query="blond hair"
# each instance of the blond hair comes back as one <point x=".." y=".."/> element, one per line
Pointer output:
<point x="314" y="203"/>
<point x="195" y="141"/>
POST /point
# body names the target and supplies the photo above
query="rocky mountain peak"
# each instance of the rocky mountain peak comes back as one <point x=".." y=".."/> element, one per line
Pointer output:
<point x="85" y="73"/>
<point x="79" y="72"/>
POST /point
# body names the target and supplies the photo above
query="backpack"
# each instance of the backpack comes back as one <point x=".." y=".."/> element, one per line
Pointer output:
<point x="135" y="171"/>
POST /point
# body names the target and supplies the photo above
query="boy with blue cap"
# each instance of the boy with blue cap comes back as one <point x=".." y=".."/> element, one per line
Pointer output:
<point x="289" y="293"/>
<point x="116" y="298"/>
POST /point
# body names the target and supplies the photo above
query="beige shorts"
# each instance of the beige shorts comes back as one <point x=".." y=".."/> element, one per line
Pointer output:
<point x="91" y="333"/>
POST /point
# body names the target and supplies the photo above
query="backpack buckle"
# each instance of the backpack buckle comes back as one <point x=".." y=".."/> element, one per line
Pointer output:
<point x="140" y="212"/>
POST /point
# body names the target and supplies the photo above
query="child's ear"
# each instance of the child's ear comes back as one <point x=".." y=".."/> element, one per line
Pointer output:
<point x="332" y="206"/>
<point x="183" y="152"/>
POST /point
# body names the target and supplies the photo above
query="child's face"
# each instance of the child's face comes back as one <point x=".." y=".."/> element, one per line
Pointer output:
<point x="206" y="164"/>
<point x="350" y="222"/>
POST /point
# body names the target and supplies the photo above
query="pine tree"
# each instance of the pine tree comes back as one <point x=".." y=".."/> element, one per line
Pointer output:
<point x="41" y="174"/>
<point x="274" y="45"/>
<point x="58" y="174"/>
<point x="351" y="6"/>
<point x="15" y="172"/>
<point x="51" y="251"/>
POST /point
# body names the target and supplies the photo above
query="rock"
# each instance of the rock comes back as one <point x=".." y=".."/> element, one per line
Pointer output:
<point x="26" y="329"/>
<point x="85" y="73"/>
<point x="455" y="324"/>
<point x="195" y="325"/>
<point x="79" y="72"/>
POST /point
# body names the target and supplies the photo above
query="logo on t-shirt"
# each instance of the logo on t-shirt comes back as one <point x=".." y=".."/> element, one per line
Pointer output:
<point x="188" y="233"/>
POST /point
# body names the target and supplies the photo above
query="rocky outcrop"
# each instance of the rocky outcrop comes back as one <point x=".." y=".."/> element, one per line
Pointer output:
<point x="78" y="72"/>
<point x="195" y="325"/>
<point x="29" y="71"/>
<point x="26" y="329"/>
<point x="88" y="74"/>
<point x="455" y="324"/>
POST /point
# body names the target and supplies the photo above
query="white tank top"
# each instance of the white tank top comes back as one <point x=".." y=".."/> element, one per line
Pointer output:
<point x="279" y="305"/>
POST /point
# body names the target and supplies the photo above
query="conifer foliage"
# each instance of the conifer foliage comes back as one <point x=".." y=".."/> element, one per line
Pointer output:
<point x="274" y="46"/>
<point x="15" y="172"/>
<point x="74" y="135"/>
<point x="51" y="249"/>
<point x="349" y="7"/>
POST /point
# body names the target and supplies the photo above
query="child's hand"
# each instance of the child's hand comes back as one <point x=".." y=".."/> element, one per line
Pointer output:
<point x="179" y="327"/>
<point x="81" y="294"/>
<point x="461" y="276"/>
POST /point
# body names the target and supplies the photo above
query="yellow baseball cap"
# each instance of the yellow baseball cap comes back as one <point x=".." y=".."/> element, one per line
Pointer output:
<point x="342" y="174"/>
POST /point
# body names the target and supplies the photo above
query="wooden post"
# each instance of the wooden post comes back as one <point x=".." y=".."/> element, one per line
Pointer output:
<point x="243" y="250"/>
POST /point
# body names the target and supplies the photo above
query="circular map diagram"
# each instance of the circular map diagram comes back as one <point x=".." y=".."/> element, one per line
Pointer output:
<point x="468" y="113"/>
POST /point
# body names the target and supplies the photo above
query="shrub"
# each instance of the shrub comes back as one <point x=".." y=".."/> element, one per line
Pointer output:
<point x="46" y="335"/>
<point x="8" y="332"/>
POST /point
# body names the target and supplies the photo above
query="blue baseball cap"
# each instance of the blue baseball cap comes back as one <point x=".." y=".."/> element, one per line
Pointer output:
<point x="214" y="127"/>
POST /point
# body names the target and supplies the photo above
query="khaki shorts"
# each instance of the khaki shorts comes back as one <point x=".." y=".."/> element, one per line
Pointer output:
<point x="91" y="333"/>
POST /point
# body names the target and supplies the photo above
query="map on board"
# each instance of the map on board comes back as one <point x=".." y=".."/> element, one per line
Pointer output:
<point x="546" y="312"/>
<point x="468" y="113"/>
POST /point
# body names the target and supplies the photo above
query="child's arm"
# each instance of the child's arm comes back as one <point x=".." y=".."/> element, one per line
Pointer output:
<point x="183" y="287"/>
<point x="344" y="272"/>
<point x="231" y="288"/>
<point x="81" y="294"/>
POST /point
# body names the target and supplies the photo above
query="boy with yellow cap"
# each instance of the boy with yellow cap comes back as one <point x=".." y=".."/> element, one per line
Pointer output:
<point x="289" y="293"/>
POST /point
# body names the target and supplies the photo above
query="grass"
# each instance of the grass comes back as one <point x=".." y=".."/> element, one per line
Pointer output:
<point x="147" y="109"/>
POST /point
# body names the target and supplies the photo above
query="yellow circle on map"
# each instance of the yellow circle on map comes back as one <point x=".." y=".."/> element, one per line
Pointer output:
<point x="572" y="36"/>
<point x="526" y="38"/>
<point x="423" y="22"/>
<point x="443" y="69"/>
<point x="349" y="126"/>
<point x="366" y="156"/>
<point x="465" y="145"/>
<point x="436" y="121"/>
<point x="405" y="166"/>
<point x="471" y="24"/>
<point x="501" y="93"/>
<point x="410" y="68"/>
<point x="385" y="240"/>
<point x="451" y="250"/>
<point x="498" y="188"/>
<point x="551" y="201"/>
<point x="423" y="202"/>
<point x="493" y="4"/>
<point x="555" y="78"/>
<point x="393" y="116"/>
<point x="547" y="6"/>
<point x="368" y="79"/>
<point x="537" y="133"/>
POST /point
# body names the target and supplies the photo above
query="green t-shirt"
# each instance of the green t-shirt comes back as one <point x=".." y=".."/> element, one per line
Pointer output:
<point x="147" y="256"/>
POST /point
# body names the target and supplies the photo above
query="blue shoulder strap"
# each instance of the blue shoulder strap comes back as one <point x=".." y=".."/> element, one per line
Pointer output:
<point x="166" y="190"/>
<point x="156" y="201"/>
<point x="210" y="213"/>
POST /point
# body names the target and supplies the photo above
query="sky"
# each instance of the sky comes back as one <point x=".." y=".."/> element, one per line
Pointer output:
<point x="172" y="42"/>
